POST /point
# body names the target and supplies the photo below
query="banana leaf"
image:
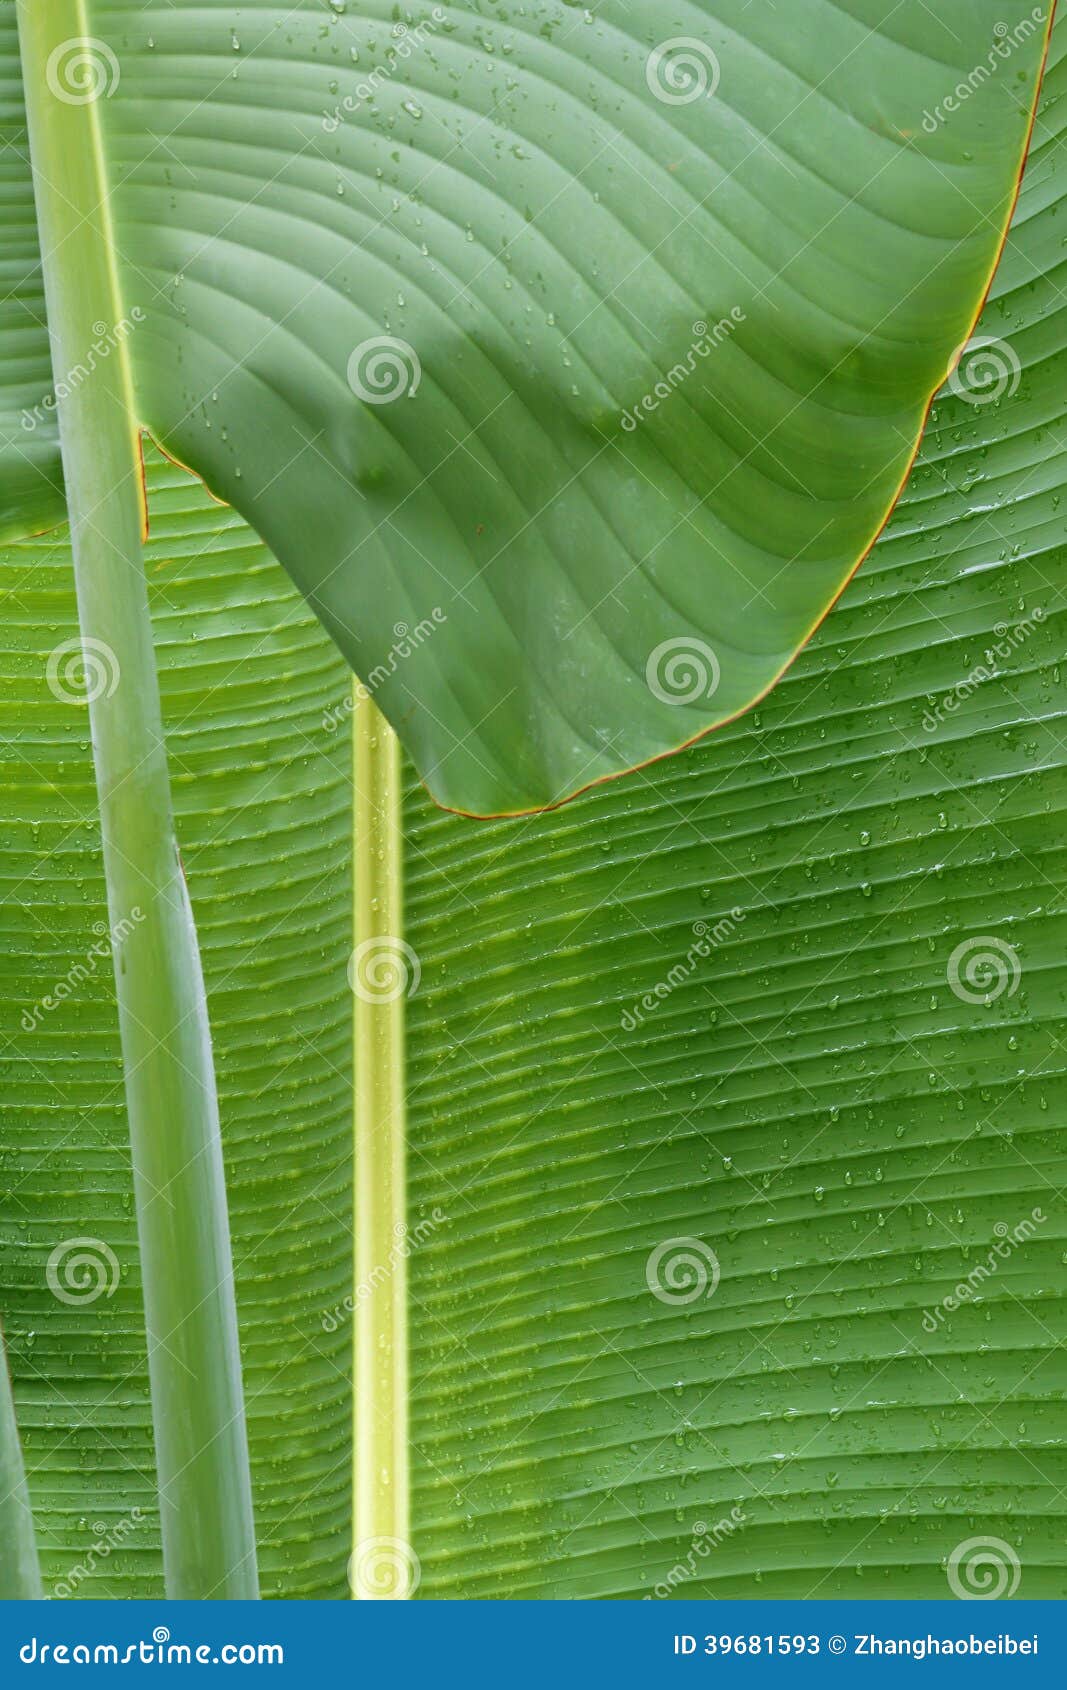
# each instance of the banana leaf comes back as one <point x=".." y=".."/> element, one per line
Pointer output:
<point x="263" y="799"/>
<point x="742" y="1086"/>
<point x="20" y="1574"/>
<point x="591" y="349"/>
<point x="734" y="1090"/>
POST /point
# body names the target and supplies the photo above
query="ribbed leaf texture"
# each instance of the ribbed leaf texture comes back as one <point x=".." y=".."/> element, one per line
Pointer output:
<point x="722" y="1003"/>
<point x="571" y="332"/>
<point x="31" y="492"/>
<point x="262" y="791"/>
<point x="809" y="1099"/>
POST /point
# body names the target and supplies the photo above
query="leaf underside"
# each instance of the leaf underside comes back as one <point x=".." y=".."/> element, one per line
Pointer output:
<point x="556" y="229"/>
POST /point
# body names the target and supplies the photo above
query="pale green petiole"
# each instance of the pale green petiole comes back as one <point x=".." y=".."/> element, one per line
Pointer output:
<point x="190" y="1311"/>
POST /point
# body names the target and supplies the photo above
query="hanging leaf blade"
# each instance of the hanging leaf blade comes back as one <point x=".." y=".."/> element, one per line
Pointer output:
<point x="569" y="364"/>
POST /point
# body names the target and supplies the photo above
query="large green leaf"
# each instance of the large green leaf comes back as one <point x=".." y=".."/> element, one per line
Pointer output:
<point x="261" y="789"/>
<point x="569" y="363"/>
<point x="596" y="1072"/>
<point x="809" y="1098"/>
